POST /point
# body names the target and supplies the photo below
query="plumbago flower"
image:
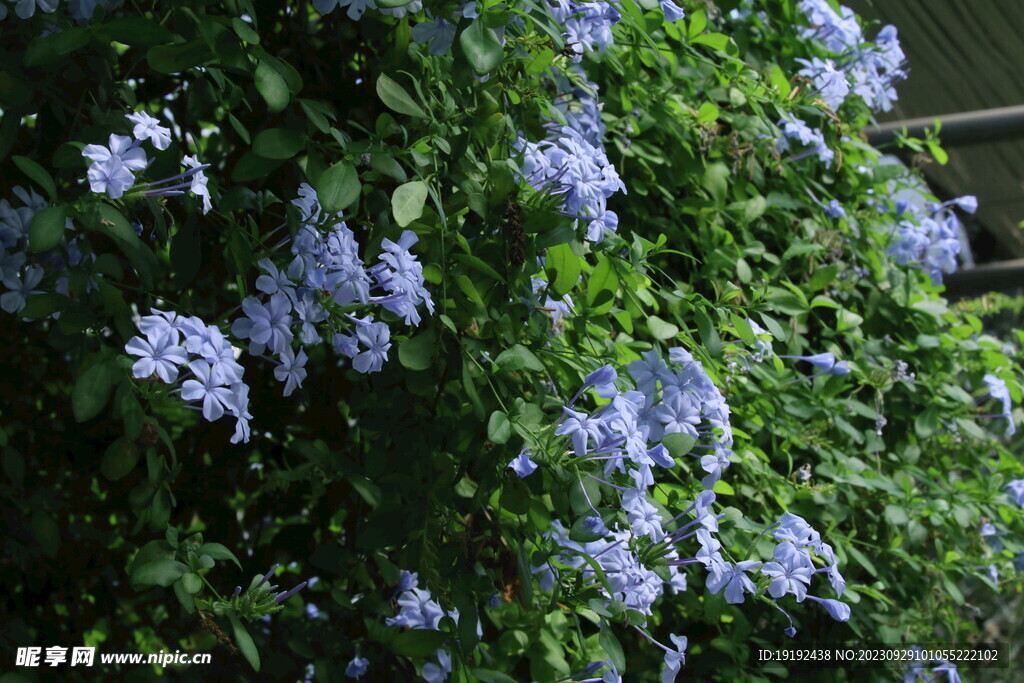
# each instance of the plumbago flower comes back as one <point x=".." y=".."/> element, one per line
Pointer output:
<point x="311" y="299"/>
<point x="114" y="166"/>
<point x="418" y="610"/>
<point x="24" y="273"/>
<point x="927" y="238"/>
<point x="572" y="164"/>
<point x="171" y="343"/>
<point x="867" y="69"/>
<point x="259" y="600"/>
<point x="671" y="410"/>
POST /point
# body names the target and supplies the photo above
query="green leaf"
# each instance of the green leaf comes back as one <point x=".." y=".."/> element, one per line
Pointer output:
<point x="47" y="228"/>
<point x="698" y="21"/>
<point x="418" y="353"/>
<point x="484" y="675"/>
<point x="678" y="444"/>
<point x="119" y="459"/>
<point x="708" y="333"/>
<point x="823" y="277"/>
<point x="499" y="429"/>
<point x="244" y="641"/>
<point x="42" y="305"/>
<point x="564" y="268"/>
<point x="37" y="173"/>
<point x="171" y="59"/>
<point x="708" y="113"/>
<point x="396" y="98"/>
<point x="191" y="583"/>
<point x="92" y="390"/>
<point x="418" y="642"/>
<point x="407" y="202"/>
<point x="610" y="644"/>
<point x="45" y="49"/>
<point x="896" y="515"/>
<point x="482" y="48"/>
<point x="217" y="552"/>
<point x="661" y="329"/>
<point x="540" y="62"/>
<point x="133" y="31"/>
<point x="602" y="284"/>
<point x="272" y="87"/>
<point x="385" y="164"/>
<point x="478" y="265"/>
<point x="278" y="143"/>
<point x="718" y="41"/>
<point x="716" y="181"/>
<point x="518" y="357"/>
<point x="859" y="557"/>
<point x="107" y="219"/>
<point x="338" y="187"/>
<point x="245" y="31"/>
<point x="162" y="572"/>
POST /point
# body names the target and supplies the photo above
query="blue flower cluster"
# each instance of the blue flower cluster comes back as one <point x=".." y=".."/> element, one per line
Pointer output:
<point x="81" y="10"/>
<point x="812" y="139"/>
<point x="171" y="341"/>
<point x="324" y="279"/>
<point x="873" y="68"/>
<point x="638" y="548"/>
<point x="418" y="610"/>
<point x="16" y="273"/>
<point x="356" y="8"/>
<point x="587" y="25"/>
<point x="928" y="238"/>
<point x="572" y="162"/>
<point x="113" y="167"/>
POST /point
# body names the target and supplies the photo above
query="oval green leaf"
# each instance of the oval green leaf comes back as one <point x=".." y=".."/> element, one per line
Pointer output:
<point x="396" y="98"/>
<point x="407" y="202"/>
<point x="338" y="187"/>
<point x="47" y="228"/>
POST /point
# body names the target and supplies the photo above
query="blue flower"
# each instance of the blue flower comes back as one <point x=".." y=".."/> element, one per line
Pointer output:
<point x="1016" y="490"/>
<point x="208" y="388"/>
<point x="839" y="611"/>
<point x="375" y="337"/>
<point x="438" y="35"/>
<point x="21" y="287"/>
<point x="672" y="11"/>
<point x="581" y="429"/>
<point x="522" y="465"/>
<point x="733" y="578"/>
<point x="149" y="128"/>
<point x="110" y="176"/>
<point x="674" y="659"/>
<point x="292" y="370"/>
<point x="267" y="325"/>
<point x="123" y="148"/>
<point x="26" y="8"/>
<point x="198" y="182"/>
<point x="357" y="667"/>
<point x="437" y="673"/>
<point x="787" y="579"/>
<point x="158" y="354"/>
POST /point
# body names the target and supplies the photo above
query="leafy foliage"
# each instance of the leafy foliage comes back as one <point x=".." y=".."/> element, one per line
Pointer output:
<point x="433" y="225"/>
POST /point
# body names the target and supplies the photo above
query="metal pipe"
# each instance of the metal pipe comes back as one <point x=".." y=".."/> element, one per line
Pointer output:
<point x="963" y="128"/>
<point x="1002" y="276"/>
